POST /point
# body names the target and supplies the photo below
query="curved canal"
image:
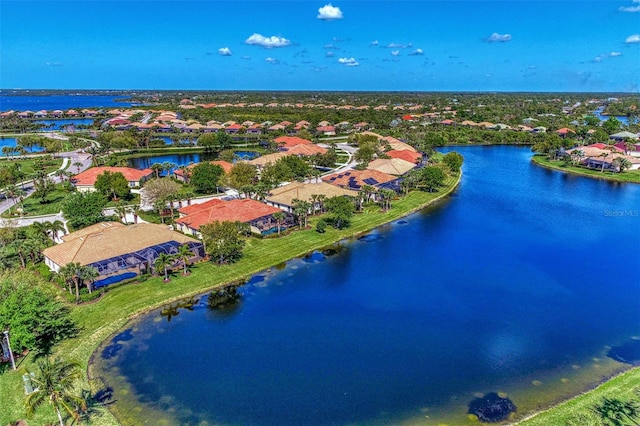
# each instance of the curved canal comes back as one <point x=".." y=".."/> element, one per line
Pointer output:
<point x="519" y="283"/>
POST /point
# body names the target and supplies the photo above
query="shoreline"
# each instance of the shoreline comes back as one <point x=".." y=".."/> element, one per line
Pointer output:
<point x="538" y="160"/>
<point x="103" y="333"/>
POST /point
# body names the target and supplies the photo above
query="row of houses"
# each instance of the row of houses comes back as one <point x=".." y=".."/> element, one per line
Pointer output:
<point x="72" y="113"/>
<point x="603" y="157"/>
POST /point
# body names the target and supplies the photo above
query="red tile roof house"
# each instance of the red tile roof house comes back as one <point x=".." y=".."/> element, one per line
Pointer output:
<point x="84" y="181"/>
<point x="40" y="114"/>
<point x="405" y="154"/>
<point x="233" y="129"/>
<point x="258" y="215"/>
<point x="564" y="132"/>
<point x="72" y="113"/>
<point x="291" y="141"/>
<point x="326" y="130"/>
<point x="25" y="114"/>
<point x="179" y="174"/>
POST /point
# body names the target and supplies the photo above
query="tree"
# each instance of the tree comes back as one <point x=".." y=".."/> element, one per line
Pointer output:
<point x="241" y="174"/>
<point x="82" y="209"/>
<point x="185" y="254"/>
<point x="43" y="187"/>
<point x="112" y="185"/>
<point x="88" y="275"/>
<point x="612" y="125"/>
<point x="341" y="209"/>
<point x="222" y="241"/>
<point x="54" y="383"/>
<point x="432" y="177"/>
<point x="386" y="195"/>
<point x="621" y="164"/>
<point x="71" y="274"/>
<point x="301" y="211"/>
<point x="279" y="218"/>
<point x="206" y="177"/>
<point x="29" y="309"/>
<point x="159" y="189"/>
<point x="453" y="160"/>
<point x="163" y="262"/>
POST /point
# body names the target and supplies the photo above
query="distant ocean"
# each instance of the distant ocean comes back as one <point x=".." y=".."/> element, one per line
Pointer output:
<point x="63" y="102"/>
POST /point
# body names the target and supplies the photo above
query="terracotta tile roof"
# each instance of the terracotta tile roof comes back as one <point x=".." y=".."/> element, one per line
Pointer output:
<point x="355" y="179"/>
<point x="564" y="131"/>
<point x="391" y="166"/>
<point x="303" y="191"/>
<point x="290" y="141"/>
<point x="89" y="176"/>
<point x="245" y="210"/>
<point x="194" y="208"/>
<point x="226" y="166"/>
<point x="306" y="150"/>
<point x="103" y="241"/>
<point x="269" y="158"/>
<point x="405" y="154"/>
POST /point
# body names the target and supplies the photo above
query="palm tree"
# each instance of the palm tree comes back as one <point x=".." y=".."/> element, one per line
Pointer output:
<point x="77" y="164"/>
<point x="54" y="383"/>
<point x="121" y="211"/>
<point x="134" y="210"/>
<point x="279" y="218"/>
<point x="88" y="275"/>
<point x="184" y="254"/>
<point x="71" y="274"/>
<point x="53" y="228"/>
<point x="163" y="261"/>
<point x="157" y="168"/>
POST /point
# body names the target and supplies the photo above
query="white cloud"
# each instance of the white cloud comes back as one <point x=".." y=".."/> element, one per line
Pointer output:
<point x="329" y="13"/>
<point x="268" y="42"/>
<point x="635" y="38"/>
<point x="417" y="52"/>
<point x="615" y="54"/>
<point x="630" y="8"/>
<point x="350" y="62"/>
<point x="395" y="53"/>
<point x="498" y="37"/>
<point x="224" y="51"/>
<point x="272" y="60"/>
<point x="374" y="43"/>
<point x="53" y="64"/>
<point x="329" y="54"/>
<point x="398" y="45"/>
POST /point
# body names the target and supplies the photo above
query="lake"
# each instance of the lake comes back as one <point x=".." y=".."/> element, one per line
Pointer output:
<point x="63" y="102"/>
<point x="182" y="159"/>
<point x="61" y="124"/>
<point x="12" y="142"/>
<point x="519" y="283"/>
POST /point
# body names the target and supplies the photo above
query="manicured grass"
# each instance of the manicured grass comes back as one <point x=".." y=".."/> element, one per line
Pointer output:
<point x="632" y="176"/>
<point x="27" y="165"/>
<point x="32" y="206"/>
<point x="620" y="387"/>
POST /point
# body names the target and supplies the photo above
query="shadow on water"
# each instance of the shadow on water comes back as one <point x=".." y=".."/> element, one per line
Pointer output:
<point x="125" y="336"/>
<point x="332" y="250"/>
<point x="314" y="257"/>
<point x="628" y="353"/>
<point x="492" y="408"/>
<point x="227" y="301"/>
<point x="110" y="351"/>
<point x="173" y="309"/>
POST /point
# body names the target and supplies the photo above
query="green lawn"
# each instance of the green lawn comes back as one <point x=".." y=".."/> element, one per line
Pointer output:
<point x="27" y="165"/>
<point x="632" y="176"/>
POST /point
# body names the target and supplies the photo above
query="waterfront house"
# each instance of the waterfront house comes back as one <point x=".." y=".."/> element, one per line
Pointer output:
<point x="291" y="141"/>
<point x="257" y="215"/>
<point x="391" y="166"/>
<point x="116" y="250"/>
<point x="282" y="197"/>
<point x="180" y="173"/>
<point x="356" y="179"/>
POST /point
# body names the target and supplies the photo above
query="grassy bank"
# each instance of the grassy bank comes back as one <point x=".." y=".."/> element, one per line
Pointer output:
<point x="621" y="387"/>
<point x="105" y="317"/>
<point x="630" y="176"/>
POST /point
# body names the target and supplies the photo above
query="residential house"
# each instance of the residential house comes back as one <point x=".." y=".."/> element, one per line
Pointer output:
<point x="356" y="179"/>
<point x="257" y="215"/>
<point x="282" y="197"/>
<point x="391" y="166"/>
<point x="179" y="174"/>
<point x="85" y="180"/>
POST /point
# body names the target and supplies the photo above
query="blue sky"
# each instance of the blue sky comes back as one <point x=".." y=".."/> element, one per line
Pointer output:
<point x="309" y="45"/>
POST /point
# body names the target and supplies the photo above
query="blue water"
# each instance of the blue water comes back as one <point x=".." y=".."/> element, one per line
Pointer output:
<point x="114" y="279"/>
<point x="63" y="102"/>
<point x="13" y="142"/>
<point x="182" y="159"/>
<point x="523" y="273"/>
<point x="63" y="123"/>
<point x="621" y="118"/>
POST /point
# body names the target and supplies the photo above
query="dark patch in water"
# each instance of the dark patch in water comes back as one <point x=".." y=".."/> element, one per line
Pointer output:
<point x="104" y="396"/>
<point x="124" y="336"/>
<point x="256" y="279"/>
<point x="370" y="238"/>
<point x="332" y="251"/>
<point x="629" y="353"/>
<point x="111" y="351"/>
<point x="314" y="257"/>
<point x="402" y="222"/>
<point x="281" y="266"/>
<point x="491" y="408"/>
